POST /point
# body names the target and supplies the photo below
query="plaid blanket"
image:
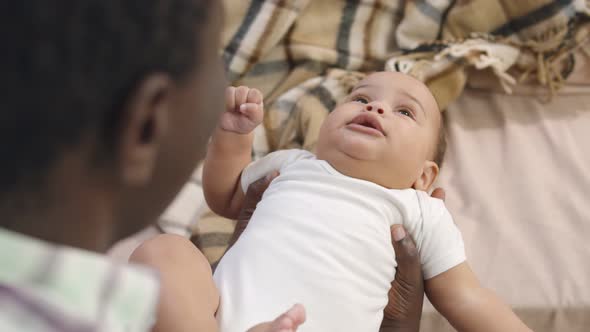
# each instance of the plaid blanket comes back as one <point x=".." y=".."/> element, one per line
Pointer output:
<point x="306" y="55"/>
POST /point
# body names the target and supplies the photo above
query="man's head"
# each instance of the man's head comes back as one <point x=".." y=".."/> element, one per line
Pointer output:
<point x="128" y="89"/>
<point x="388" y="131"/>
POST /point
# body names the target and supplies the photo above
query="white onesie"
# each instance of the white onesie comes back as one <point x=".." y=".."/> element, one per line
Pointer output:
<point x="322" y="239"/>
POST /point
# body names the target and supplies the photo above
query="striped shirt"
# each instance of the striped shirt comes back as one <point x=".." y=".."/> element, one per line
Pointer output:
<point x="51" y="288"/>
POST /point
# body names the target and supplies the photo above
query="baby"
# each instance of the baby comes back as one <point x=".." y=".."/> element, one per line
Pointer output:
<point x="320" y="236"/>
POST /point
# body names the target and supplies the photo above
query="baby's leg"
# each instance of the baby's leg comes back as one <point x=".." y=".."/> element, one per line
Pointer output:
<point x="188" y="296"/>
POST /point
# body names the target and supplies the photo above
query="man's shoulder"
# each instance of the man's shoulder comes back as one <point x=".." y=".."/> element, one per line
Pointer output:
<point x="54" y="287"/>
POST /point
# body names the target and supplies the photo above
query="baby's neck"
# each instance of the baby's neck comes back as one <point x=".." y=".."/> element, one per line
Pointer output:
<point x="362" y="170"/>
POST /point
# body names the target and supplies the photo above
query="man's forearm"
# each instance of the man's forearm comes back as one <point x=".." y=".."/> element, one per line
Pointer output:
<point x="227" y="155"/>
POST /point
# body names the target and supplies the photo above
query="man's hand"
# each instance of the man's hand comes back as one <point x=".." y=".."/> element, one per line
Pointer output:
<point x="439" y="193"/>
<point x="406" y="295"/>
<point x="253" y="196"/>
<point x="243" y="110"/>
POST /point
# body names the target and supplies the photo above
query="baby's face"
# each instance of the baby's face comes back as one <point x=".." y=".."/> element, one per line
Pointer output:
<point x="386" y="131"/>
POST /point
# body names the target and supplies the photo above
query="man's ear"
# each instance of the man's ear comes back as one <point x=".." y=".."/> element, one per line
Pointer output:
<point x="429" y="174"/>
<point x="145" y="123"/>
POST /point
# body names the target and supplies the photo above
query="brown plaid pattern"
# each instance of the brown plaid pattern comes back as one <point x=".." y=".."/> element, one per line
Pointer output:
<point x="305" y="55"/>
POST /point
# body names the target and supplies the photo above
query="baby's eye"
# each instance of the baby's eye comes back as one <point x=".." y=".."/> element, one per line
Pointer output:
<point x="361" y="100"/>
<point x="406" y="112"/>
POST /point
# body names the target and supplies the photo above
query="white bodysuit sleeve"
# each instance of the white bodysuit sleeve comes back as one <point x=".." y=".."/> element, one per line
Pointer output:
<point x="441" y="246"/>
<point x="274" y="161"/>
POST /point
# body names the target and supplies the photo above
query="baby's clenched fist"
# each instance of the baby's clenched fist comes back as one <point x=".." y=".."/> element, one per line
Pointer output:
<point x="243" y="110"/>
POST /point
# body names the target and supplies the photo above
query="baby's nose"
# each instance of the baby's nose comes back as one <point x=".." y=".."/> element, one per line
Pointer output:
<point x="370" y="108"/>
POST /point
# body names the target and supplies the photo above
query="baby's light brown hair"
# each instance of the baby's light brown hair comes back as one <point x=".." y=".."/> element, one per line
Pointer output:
<point x="441" y="143"/>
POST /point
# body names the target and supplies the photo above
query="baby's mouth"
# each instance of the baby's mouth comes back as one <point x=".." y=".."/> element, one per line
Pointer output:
<point x="367" y="123"/>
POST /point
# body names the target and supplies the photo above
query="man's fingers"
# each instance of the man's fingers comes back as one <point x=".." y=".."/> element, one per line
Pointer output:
<point x="406" y="252"/>
<point x="439" y="193"/>
<point x="407" y="289"/>
<point x="257" y="188"/>
<point x="253" y="196"/>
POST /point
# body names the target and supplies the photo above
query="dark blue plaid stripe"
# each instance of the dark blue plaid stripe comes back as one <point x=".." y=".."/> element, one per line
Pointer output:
<point x="532" y="18"/>
<point x="324" y="96"/>
<point x="343" y="39"/>
<point x="230" y="51"/>
<point x="429" y="10"/>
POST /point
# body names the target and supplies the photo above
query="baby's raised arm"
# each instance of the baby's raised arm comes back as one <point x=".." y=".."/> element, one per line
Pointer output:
<point x="230" y="149"/>
<point x="458" y="295"/>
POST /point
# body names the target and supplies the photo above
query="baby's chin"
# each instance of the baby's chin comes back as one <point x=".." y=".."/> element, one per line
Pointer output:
<point x="352" y="160"/>
<point x="351" y="151"/>
<point x="363" y="169"/>
<point x="361" y="147"/>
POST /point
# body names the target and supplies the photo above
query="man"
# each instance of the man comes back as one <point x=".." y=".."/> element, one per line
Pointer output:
<point x="107" y="107"/>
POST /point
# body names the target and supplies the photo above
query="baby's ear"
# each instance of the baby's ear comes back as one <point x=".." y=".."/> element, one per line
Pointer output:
<point x="429" y="174"/>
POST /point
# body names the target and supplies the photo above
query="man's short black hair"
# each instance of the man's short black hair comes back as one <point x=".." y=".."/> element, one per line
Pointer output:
<point x="68" y="66"/>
